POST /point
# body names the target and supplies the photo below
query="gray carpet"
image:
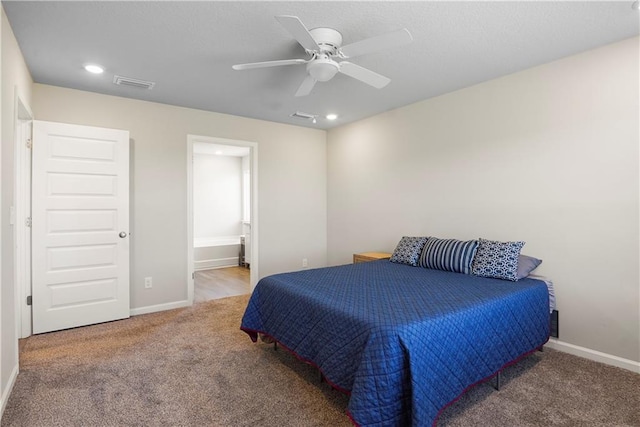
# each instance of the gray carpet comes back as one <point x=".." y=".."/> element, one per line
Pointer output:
<point x="194" y="367"/>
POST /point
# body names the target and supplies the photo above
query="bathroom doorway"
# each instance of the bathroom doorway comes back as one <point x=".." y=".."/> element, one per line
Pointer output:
<point x="222" y="213"/>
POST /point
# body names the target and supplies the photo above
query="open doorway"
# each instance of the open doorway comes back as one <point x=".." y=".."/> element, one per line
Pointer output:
<point x="222" y="217"/>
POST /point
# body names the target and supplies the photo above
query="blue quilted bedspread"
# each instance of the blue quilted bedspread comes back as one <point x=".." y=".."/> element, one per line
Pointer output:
<point x="403" y="341"/>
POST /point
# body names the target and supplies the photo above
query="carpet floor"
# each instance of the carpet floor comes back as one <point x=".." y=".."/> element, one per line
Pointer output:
<point x="194" y="367"/>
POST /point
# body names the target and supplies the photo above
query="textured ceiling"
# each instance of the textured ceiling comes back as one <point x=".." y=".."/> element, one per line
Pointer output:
<point x="188" y="49"/>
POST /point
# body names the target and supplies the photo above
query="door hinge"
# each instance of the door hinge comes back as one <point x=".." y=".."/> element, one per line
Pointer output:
<point x="28" y="143"/>
<point x="29" y="300"/>
<point x="193" y="275"/>
<point x="27" y="221"/>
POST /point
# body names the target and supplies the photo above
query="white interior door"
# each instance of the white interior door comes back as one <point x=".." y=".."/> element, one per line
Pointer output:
<point x="80" y="225"/>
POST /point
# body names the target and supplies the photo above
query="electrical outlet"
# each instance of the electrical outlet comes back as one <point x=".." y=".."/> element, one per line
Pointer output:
<point x="148" y="282"/>
<point x="305" y="263"/>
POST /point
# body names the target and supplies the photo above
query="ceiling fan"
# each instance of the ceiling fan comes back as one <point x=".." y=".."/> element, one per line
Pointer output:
<point x="324" y="45"/>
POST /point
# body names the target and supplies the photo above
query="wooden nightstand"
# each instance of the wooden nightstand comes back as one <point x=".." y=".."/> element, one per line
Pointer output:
<point x="370" y="256"/>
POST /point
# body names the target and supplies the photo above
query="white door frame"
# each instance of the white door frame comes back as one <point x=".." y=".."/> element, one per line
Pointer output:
<point x="253" y="160"/>
<point x="22" y="200"/>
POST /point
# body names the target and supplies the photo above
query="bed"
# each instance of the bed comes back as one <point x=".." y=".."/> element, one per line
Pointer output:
<point x="402" y="341"/>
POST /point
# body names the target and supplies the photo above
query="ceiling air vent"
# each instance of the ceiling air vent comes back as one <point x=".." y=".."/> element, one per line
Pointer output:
<point x="128" y="81"/>
<point x="301" y="115"/>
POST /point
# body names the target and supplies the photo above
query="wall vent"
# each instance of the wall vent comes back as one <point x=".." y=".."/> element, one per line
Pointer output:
<point x="128" y="81"/>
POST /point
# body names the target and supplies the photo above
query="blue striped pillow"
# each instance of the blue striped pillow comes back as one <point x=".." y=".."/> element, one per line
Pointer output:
<point x="448" y="254"/>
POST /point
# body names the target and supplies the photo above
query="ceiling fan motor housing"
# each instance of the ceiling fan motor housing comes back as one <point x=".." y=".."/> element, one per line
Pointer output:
<point x="328" y="39"/>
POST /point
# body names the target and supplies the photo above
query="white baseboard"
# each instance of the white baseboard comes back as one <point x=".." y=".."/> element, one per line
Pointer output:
<point x="208" y="264"/>
<point x="7" y="392"/>
<point x="159" y="307"/>
<point x="594" y="355"/>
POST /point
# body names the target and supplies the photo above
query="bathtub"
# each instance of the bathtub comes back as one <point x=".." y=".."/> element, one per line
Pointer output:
<point x="215" y="252"/>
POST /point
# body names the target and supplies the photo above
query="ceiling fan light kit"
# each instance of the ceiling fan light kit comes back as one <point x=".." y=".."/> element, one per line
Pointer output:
<point x="323" y="69"/>
<point x="324" y="46"/>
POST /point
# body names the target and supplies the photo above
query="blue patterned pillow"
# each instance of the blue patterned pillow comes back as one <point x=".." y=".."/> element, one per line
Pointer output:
<point x="408" y="250"/>
<point x="497" y="259"/>
<point x="448" y="254"/>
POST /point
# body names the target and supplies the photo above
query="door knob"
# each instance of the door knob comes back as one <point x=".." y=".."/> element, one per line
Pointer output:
<point x="122" y="234"/>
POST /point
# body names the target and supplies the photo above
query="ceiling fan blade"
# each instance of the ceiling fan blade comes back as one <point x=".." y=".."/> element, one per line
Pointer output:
<point x="299" y="32"/>
<point x="364" y="75"/>
<point x="375" y="44"/>
<point x="266" y="64"/>
<point x="307" y="85"/>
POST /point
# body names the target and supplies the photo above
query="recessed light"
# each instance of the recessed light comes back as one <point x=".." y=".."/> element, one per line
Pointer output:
<point x="218" y="152"/>
<point x="636" y="5"/>
<point x="95" y="69"/>
<point x="331" y="116"/>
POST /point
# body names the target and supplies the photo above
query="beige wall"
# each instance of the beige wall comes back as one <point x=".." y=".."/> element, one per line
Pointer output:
<point x="15" y="79"/>
<point x="548" y="155"/>
<point x="291" y="184"/>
